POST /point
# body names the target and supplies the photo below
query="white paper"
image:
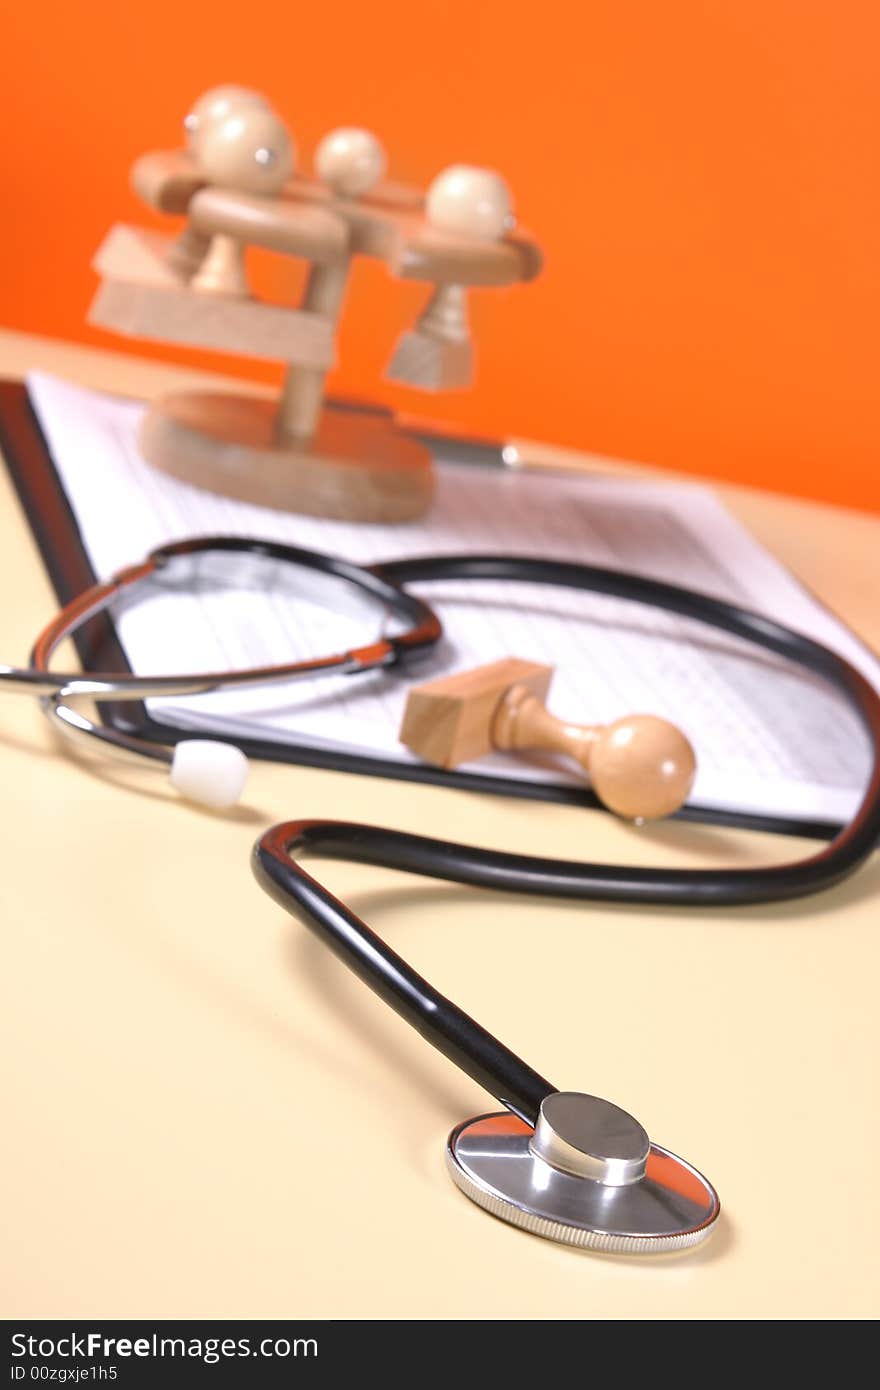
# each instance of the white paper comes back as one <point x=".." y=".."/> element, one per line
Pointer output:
<point x="769" y="738"/>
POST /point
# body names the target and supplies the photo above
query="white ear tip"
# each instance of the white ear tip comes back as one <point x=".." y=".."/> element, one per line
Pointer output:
<point x="209" y="772"/>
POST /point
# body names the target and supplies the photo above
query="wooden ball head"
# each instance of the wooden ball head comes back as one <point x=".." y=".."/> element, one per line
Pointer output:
<point x="215" y="106"/>
<point x="641" y="767"/>
<point x="468" y="201"/>
<point x="350" y="161"/>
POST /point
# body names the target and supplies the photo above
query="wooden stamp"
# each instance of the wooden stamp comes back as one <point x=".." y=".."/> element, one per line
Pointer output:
<point x="641" y="767"/>
<point x="437" y="353"/>
<point x="235" y="184"/>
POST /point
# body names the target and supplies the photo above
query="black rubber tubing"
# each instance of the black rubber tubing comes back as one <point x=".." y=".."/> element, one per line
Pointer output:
<point x="442" y="1023"/>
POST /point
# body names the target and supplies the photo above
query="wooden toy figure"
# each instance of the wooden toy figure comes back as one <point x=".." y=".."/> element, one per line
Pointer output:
<point x="438" y="354"/>
<point x="187" y="252"/>
<point x="236" y="184"/>
<point x="640" y="767"/>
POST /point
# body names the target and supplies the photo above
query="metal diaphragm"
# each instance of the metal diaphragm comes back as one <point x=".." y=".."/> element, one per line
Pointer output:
<point x="587" y="1175"/>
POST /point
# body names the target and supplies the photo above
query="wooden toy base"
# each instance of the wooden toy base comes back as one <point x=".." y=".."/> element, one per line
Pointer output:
<point x="357" y="467"/>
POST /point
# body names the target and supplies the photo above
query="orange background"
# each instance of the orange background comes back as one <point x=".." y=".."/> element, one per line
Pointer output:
<point x="702" y="173"/>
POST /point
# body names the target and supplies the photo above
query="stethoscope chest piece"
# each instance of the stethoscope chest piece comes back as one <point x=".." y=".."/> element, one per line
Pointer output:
<point x="587" y="1175"/>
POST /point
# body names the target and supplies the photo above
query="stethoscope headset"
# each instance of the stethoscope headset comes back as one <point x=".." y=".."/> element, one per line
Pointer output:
<point x="564" y="1165"/>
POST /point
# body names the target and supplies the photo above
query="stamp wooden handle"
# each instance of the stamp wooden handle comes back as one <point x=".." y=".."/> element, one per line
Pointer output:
<point x="523" y="721"/>
<point x="641" y="767"/>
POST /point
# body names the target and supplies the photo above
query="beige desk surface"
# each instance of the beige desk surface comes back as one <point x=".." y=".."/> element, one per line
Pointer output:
<point x="208" y="1117"/>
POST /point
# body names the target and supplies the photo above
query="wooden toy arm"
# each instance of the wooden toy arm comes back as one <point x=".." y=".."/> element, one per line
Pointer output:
<point x="305" y="221"/>
<point x="278" y="224"/>
<point x="166" y="180"/>
<point x="422" y="252"/>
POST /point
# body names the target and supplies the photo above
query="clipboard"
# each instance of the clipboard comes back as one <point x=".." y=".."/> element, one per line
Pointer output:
<point x="57" y="534"/>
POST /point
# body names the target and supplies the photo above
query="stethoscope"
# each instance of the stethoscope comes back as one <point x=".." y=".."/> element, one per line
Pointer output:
<point x="561" y="1164"/>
